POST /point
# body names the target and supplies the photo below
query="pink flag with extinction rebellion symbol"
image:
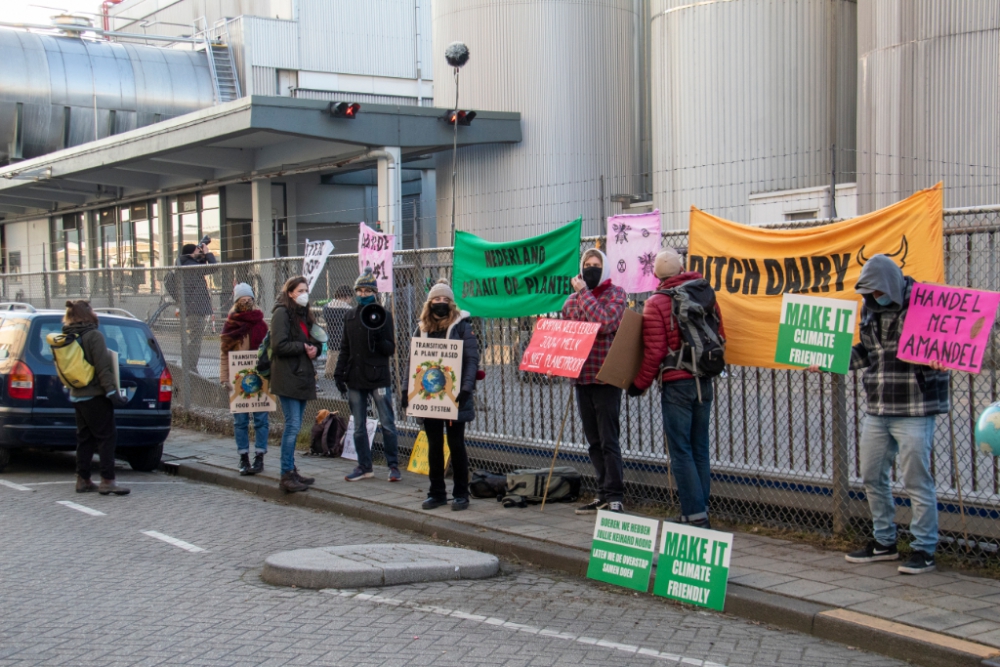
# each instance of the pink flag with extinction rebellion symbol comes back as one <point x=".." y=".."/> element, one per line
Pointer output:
<point x="633" y="241"/>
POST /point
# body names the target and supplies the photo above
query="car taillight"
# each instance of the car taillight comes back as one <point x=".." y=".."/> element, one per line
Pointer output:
<point x="21" y="382"/>
<point x="166" y="386"/>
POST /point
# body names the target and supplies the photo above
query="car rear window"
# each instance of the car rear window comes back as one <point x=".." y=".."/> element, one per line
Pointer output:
<point x="13" y="333"/>
<point x="130" y="341"/>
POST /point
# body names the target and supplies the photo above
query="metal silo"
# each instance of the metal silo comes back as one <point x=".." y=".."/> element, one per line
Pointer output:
<point x="928" y="95"/>
<point x="748" y="96"/>
<point x="570" y="67"/>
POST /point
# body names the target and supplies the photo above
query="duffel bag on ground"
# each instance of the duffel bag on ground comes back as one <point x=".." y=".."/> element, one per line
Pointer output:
<point x="529" y="483"/>
<point x="486" y="484"/>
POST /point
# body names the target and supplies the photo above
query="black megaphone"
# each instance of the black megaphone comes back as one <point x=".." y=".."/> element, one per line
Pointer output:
<point x="373" y="316"/>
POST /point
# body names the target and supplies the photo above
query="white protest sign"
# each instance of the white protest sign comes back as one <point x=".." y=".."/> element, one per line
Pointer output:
<point x="350" y="452"/>
<point x="375" y="252"/>
<point x="435" y="377"/>
<point x="315" y="260"/>
<point x="248" y="391"/>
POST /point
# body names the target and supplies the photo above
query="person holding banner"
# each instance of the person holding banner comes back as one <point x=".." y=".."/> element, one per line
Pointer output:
<point x="595" y="299"/>
<point x="441" y="318"/>
<point x="904" y="400"/>
<point x="244" y="330"/>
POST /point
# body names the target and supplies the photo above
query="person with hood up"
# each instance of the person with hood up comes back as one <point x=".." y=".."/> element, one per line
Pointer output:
<point x="441" y="318"/>
<point x="595" y="299"/>
<point x="686" y="411"/>
<point x="904" y="400"/>
<point x="244" y="330"/>
<point x="197" y="300"/>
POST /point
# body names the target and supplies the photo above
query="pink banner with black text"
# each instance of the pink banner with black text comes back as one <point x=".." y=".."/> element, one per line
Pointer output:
<point x="633" y="242"/>
<point x="375" y="252"/>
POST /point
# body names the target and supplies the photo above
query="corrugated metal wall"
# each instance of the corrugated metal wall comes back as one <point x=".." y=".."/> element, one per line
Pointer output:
<point x="928" y="98"/>
<point x="570" y="68"/>
<point x="128" y="15"/>
<point x="272" y="43"/>
<point x="748" y="96"/>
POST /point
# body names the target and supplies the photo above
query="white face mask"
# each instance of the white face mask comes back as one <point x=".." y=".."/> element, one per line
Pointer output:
<point x="302" y="299"/>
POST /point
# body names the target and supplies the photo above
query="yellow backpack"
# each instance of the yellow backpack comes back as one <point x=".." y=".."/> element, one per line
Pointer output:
<point x="72" y="366"/>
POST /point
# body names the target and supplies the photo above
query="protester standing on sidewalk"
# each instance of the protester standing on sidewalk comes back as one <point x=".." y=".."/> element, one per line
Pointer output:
<point x="94" y="404"/>
<point x="293" y="376"/>
<point x="362" y="373"/>
<point x="244" y="330"/>
<point x="334" y="314"/>
<point x="441" y="318"/>
<point x="197" y="300"/>
<point x="597" y="300"/>
<point x="686" y="406"/>
<point x="904" y="400"/>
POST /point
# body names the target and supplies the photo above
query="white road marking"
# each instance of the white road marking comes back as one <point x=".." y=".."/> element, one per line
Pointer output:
<point x="81" y="508"/>
<point x="174" y="541"/>
<point x="16" y="487"/>
<point x="545" y="632"/>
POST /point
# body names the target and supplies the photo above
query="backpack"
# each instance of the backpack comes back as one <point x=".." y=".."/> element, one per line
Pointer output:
<point x="529" y="485"/>
<point x="170" y="284"/>
<point x="702" y="351"/>
<point x="71" y="363"/>
<point x="328" y="436"/>
<point x="264" y="356"/>
<point x="485" y="484"/>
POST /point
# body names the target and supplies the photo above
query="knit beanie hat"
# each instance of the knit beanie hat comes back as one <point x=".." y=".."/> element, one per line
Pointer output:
<point x="367" y="279"/>
<point x="441" y="288"/>
<point x="668" y="264"/>
<point x="241" y="291"/>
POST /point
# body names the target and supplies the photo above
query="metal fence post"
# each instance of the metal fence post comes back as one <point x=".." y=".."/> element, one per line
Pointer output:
<point x="185" y="372"/>
<point x="841" y="464"/>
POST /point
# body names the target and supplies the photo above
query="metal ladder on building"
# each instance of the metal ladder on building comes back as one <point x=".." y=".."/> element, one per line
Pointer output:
<point x="221" y="63"/>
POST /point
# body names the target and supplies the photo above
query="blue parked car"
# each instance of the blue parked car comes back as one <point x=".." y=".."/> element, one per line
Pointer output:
<point x="35" y="410"/>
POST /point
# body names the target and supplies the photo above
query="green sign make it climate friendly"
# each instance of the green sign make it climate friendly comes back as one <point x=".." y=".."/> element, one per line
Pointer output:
<point x="622" y="550"/>
<point x="814" y="330"/>
<point x="693" y="565"/>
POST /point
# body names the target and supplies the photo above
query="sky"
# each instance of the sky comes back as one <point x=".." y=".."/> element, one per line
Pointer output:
<point x="39" y="11"/>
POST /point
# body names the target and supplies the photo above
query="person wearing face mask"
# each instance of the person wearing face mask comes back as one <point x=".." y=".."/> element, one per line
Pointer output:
<point x="904" y="400"/>
<point x="244" y="330"/>
<point x="362" y="374"/>
<point x="441" y="318"/>
<point x="595" y="299"/>
<point x="293" y="376"/>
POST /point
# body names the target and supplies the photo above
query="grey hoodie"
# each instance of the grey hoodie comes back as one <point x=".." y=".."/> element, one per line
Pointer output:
<point x="880" y="274"/>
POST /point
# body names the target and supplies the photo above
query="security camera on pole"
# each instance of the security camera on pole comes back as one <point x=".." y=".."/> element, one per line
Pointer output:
<point x="457" y="54"/>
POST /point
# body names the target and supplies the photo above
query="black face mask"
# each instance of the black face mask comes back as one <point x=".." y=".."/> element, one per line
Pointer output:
<point x="592" y="276"/>
<point x="440" y="309"/>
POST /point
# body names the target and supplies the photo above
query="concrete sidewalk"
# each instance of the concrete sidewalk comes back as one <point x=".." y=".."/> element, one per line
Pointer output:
<point x="940" y="619"/>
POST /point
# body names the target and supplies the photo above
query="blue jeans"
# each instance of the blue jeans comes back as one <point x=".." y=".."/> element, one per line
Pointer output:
<point x="685" y="422"/>
<point x="358" y="400"/>
<point x="911" y="438"/>
<point x="293" y="409"/>
<point x="241" y="425"/>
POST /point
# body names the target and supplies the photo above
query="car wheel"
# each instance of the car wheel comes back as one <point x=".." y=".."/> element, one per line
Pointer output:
<point x="4" y="458"/>
<point x="144" y="459"/>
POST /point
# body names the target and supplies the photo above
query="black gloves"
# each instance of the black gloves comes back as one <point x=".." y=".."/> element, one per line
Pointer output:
<point x="634" y="390"/>
<point x="342" y="387"/>
<point x="117" y="400"/>
<point x="463" y="396"/>
<point x="404" y="402"/>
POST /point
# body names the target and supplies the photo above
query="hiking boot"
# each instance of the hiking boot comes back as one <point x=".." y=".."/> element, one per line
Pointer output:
<point x="83" y="485"/>
<point x="245" y="465"/>
<point x="258" y="464"/>
<point x="289" y="484"/>
<point x="592" y="507"/>
<point x="302" y="479"/>
<point x="874" y="552"/>
<point x="918" y="563"/>
<point x="395" y="475"/>
<point x="459" y="504"/>
<point x="358" y="474"/>
<point x="109" y="486"/>
<point x="616" y="506"/>
<point x="434" y="503"/>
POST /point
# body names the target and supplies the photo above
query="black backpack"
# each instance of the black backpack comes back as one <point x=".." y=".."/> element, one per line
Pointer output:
<point x="485" y="484"/>
<point x="328" y="436"/>
<point x="702" y="352"/>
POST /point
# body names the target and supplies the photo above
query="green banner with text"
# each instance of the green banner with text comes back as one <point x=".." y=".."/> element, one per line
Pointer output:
<point x="622" y="550"/>
<point x="693" y="565"/>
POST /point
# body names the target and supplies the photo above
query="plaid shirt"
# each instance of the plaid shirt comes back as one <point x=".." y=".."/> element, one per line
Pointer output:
<point x="604" y="305"/>
<point x="896" y="388"/>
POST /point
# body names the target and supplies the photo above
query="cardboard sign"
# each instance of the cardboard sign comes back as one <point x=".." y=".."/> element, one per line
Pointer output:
<point x="814" y="330"/>
<point x="375" y="252"/>
<point x="693" y="565"/>
<point x="559" y="347"/>
<point x="315" y="260"/>
<point x="350" y="451"/>
<point x="948" y="324"/>
<point x="435" y="377"/>
<point x="633" y="242"/>
<point x="419" y="462"/>
<point x="625" y="356"/>
<point x="622" y="550"/>
<point x="248" y="391"/>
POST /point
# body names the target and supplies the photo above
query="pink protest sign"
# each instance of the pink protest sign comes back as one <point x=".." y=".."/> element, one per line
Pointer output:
<point x="948" y="324"/>
<point x="375" y="251"/>
<point x="633" y="241"/>
<point x="559" y="347"/>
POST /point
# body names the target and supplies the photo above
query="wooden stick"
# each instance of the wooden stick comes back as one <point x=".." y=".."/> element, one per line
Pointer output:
<point x="552" y="467"/>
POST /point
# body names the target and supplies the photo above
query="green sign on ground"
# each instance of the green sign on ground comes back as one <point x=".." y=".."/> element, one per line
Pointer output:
<point x="814" y="330"/>
<point x="622" y="550"/>
<point x="693" y="565"/>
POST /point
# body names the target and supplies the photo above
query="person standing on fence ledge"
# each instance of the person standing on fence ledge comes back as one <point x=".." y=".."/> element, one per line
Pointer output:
<point x="686" y="390"/>
<point x="441" y="318"/>
<point x="197" y="301"/>
<point x="363" y="372"/>
<point x="293" y="376"/>
<point x="903" y="402"/>
<point x="244" y="330"/>
<point x="597" y="300"/>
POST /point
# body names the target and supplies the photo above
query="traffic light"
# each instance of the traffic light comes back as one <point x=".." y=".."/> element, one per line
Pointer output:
<point x="463" y="117"/>
<point x="344" y="109"/>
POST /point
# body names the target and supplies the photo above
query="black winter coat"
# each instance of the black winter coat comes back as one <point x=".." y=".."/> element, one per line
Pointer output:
<point x="461" y="330"/>
<point x="364" y="354"/>
<point x="292" y="372"/>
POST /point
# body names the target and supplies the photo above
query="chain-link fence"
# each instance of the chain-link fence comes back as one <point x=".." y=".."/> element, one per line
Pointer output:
<point x="784" y="443"/>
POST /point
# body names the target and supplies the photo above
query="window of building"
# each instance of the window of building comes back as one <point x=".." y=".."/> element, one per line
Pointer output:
<point x="107" y="238"/>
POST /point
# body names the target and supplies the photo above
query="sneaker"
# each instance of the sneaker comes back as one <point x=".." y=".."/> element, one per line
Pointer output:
<point x="459" y="504"/>
<point x="433" y="503"/>
<point x="359" y="475"/>
<point x="258" y="464"/>
<point x="872" y="553"/>
<point x="395" y="475"/>
<point x="245" y="465"/>
<point x="918" y="563"/>
<point x="616" y="506"/>
<point x="592" y="507"/>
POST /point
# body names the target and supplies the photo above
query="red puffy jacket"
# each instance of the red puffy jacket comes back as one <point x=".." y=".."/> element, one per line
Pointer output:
<point x="660" y="334"/>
